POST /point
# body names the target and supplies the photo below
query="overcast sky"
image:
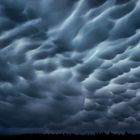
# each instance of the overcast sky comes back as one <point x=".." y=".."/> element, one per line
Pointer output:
<point x="71" y="66"/>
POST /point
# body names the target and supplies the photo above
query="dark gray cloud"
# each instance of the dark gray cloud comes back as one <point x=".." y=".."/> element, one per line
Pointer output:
<point x="70" y="66"/>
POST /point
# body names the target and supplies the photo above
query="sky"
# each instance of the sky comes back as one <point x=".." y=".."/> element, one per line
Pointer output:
<point x="71" y="66"/>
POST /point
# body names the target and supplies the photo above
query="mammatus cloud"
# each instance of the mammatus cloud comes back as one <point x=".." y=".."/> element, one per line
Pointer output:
<point x="71" y="66"/>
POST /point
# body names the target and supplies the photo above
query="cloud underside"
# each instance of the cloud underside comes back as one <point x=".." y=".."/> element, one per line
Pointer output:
<point x="71" y="66"/>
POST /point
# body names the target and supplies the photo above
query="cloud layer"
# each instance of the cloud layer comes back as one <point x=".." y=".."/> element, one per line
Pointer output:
<point x="72" y="66"/>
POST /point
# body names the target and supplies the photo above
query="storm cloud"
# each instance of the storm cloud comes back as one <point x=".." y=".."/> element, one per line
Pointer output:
<point x="71" y="66"/>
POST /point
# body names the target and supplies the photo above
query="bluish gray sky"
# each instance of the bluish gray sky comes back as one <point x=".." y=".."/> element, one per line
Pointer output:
<point x="70" y="66"/>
